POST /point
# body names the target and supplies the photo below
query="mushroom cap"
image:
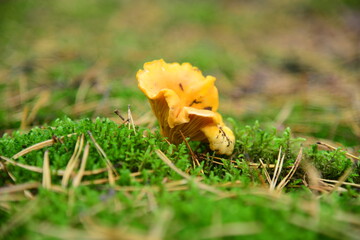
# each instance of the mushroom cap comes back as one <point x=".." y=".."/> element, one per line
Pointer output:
<point x="184" y="100"/>
<point x="182" y="86"/>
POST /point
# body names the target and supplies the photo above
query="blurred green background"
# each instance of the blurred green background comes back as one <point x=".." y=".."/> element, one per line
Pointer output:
<point x="284" y="63"/>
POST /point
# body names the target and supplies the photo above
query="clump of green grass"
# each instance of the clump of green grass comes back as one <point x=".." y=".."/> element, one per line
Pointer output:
<point x="145" y="198"/>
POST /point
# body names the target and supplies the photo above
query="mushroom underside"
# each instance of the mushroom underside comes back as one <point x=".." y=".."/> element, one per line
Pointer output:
<point x="191" y="128"/>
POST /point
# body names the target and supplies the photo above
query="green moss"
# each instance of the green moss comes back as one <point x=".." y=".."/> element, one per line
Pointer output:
<point x="250" y="47"/>
<point x="332" y="164"/>
<point x="192" y="210"/>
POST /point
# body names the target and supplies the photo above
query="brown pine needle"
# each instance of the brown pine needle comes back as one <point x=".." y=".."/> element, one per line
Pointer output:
<point x="95" y="230"/>
<point x="83" y="107"/>
<point x="251" y="164"/>
<point x="24" y="166"/>
<point x="234" y="229"/>
<point x="167" y="161"/>
<point x="277" y="171"/>
<point x="41" y="101"/>
<point x="257" y="165"/>
<point x="24" y="116"/>
<point x="342" y="183"/>
<point x="220" y="163"/>
<point x="176" y="183"/>
<point x="117" y="112"/>
<point x="39" y="146"/>
<point x="19" y="187"/>
<point x="97" y="181"/>
<point x="293" y="169"/>
<point x="267" y="175"/>
<point x="111" y="177"/>
<point x="342" y="178"/>
<point x="12" y="197"/>
<point x="284" y="113"/>
<point x="353" y="157"/>
<point x="58" y="172"/>
<point x="84" y="86"/>
<point x="110" y="167"/>
<point x="106" y="180"/>
<point x="201" y="185"/>
<point x="46" y="180"/>
<point x="193" y="156"/>
<point x="157" y="230"/>
<point x="46" y="230"/>
<point x="80" y="174"/>
<point x="313" y="175"/>
<point x="15" y="101"/>
<point x="151" y="201"/>
<point x="34" y="147"/>
<point x="95" y="171"/>
<point x="4" y="168"/>
<point x="73" y="161"/>
<point x="25" y="187"/>
<point x="28" y="194"/>
<point x="130" y="117"/>
<point x="20" y="217"/>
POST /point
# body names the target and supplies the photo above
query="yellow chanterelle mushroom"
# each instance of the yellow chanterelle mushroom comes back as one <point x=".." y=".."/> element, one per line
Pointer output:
<point x="184" y="100"/>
